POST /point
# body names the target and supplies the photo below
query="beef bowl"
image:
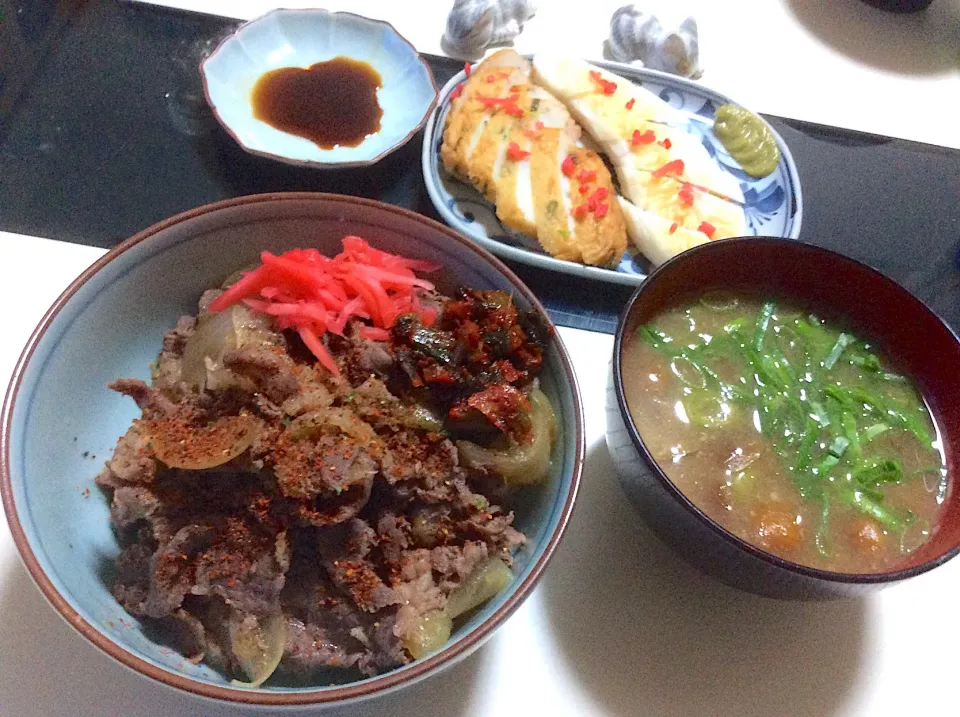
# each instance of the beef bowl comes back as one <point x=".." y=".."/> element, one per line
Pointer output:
<point x="342" y="444"/>
<point x="785" y="418"/>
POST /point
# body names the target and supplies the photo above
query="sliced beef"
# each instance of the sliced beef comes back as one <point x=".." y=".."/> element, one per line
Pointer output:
<point x="432" y="524"/>
<point x="269" y="367"/>
<point x="188" y="495"/>
<point x="453" y="515"/>
<point x="418" y="596"/>
<point x="245" y="565"/>
<point x="429" y="460"/>
<point x="312" y="396"/>
<point x="133" y="503"/>
<point x="452" y="563"/>
<point x="333" y="508"/>
<point x="214" y="614"/>
<point x="132" y="580"/>
<point x="359" y="580"/>
<point x="495" y="529"/>
<point x="132" y="460"/>
<point x="310" y="647"/>
<point x="173" y="569"/>
<point x="327" y="628"/>
<point x="328" y="474"/>
<point x="186" y="633"/>
<point x="328" y="464"/>
<point x="359" y="357"/>
<point x="175" y="340"/>
<point x="393" y="536"/>
<point x="148" y="399"/>
<point x="371" y="648"/>
<point x="344" y="550"/>
<point x="387" y="650"/>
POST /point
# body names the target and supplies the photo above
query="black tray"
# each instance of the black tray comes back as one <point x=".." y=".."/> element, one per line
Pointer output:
<point x="104" y="131"/>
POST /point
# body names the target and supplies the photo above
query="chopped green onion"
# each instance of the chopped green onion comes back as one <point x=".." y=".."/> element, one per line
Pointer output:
<point x="860" y="500"/>
<point x="875" y="430"/>
<point x="827" y="464"/>
<point x="852" y="396"/>
<point x="819" y="414"/>
<point x="815" y="335"/>
<point x="809" y="438"/>
<point x="850" y="432"/>
<point x="689" y="373"/>
<point x="763" y="323"/>
<point x="656" y="338"/>
<point x="868" y="362"/>
<point x="885" y="471"/>
<point x="843" y="340"/>
<point x="839" y="446"/>
<point x="719" y="301"/>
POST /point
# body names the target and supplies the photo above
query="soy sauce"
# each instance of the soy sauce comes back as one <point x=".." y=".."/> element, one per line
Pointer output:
<point x="332" y="103"/>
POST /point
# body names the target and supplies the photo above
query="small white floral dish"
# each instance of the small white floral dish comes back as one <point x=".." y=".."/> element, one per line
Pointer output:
<point x="301" y="38"/>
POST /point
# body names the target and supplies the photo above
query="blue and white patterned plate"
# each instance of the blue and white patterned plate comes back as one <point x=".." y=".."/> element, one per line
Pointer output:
<point x="772" y="204"/>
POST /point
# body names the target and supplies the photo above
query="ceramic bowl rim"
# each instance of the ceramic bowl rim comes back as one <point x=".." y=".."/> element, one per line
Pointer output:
<point x="352" y="691"/>
<point x="678" y="496"/>
<point x="318" y="164"/>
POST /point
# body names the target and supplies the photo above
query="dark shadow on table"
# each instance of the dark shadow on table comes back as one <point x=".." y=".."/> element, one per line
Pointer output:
<point x="237" y="172"/>
<point x="47" y="669"/>
<point x="923" y="43"/>
<point x="646" y="633"/>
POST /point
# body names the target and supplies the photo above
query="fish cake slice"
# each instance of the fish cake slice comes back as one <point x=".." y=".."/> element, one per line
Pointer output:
<point x="488" y="153"/>
<point x="654" y="146"/>
<point x="570" y="78"/>
<point x="543" y="117"/>
<point x="554" y="228"/>
<point x="469" y="113"/>
<point x="657" y="238"/>
<point x="614" y="111"/>
<point x="688" y="205"/>
<point x="515" y="203"/>
<point x="599" y="230"/>
<point x="682" y="217"/>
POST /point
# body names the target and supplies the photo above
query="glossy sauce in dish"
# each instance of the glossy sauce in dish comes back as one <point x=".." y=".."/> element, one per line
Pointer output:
<point x="792" y="434"/>
<point x="332" y="103"/>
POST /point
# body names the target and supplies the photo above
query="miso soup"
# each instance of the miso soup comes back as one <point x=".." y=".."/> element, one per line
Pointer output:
<point x="796" y="435"/>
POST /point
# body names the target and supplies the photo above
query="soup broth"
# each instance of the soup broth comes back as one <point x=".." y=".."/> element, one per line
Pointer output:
<point x="793" y="434"/>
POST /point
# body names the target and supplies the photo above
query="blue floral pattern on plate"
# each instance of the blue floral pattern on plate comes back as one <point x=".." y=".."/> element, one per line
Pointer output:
<point x="772" y="204"/>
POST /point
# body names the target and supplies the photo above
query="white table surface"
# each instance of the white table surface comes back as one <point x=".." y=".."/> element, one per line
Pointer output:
<point x="618" y="626"/>
<point x="834" y="62"/>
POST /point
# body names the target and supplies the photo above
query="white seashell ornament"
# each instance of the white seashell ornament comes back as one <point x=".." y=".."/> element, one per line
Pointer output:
<point x="475" y="25"/>
<point x="636" y="36"/>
